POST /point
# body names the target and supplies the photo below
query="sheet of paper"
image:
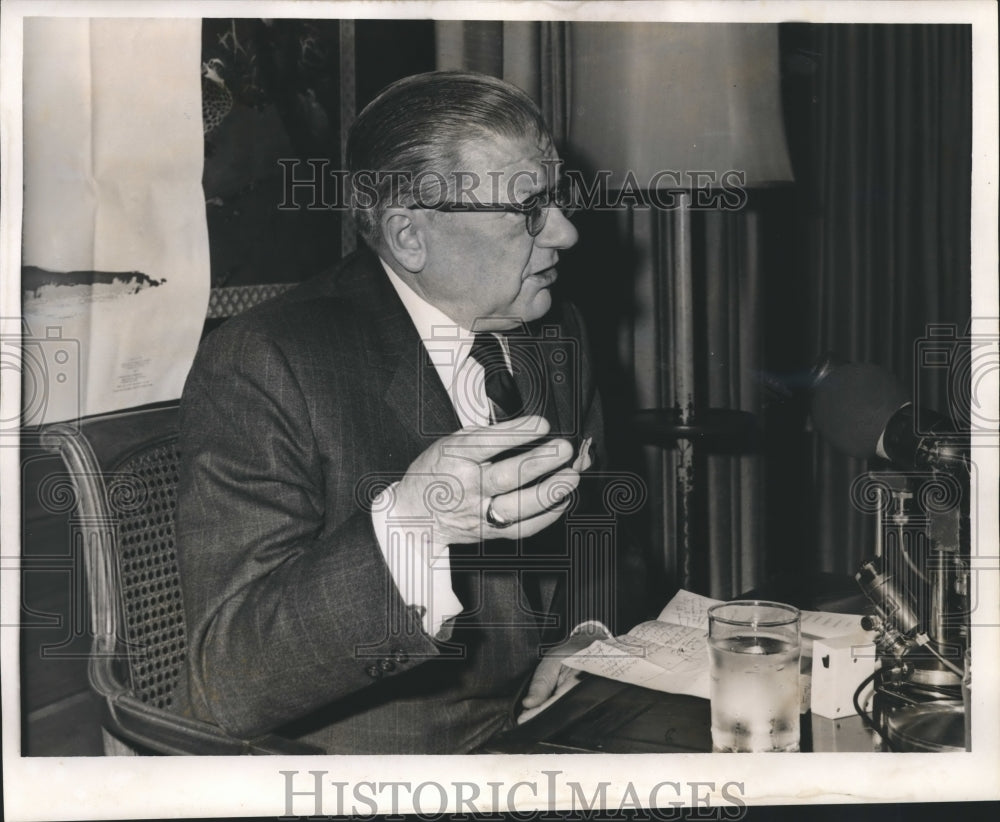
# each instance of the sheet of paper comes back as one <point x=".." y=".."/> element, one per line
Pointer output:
<point x="671" y="653"/>
<point x="823" y="625"/>
<point x="658" y="655"/>
<point x="687" y="608"/>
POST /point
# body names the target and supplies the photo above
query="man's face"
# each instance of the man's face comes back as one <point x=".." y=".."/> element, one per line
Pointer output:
<point x="483" y="269"/>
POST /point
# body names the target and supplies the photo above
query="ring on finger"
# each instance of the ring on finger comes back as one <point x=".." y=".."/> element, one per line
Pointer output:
<point x="494" y="520"/>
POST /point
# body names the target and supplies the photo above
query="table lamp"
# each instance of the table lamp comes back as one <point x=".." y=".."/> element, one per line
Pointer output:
<point x="691" y="114"/>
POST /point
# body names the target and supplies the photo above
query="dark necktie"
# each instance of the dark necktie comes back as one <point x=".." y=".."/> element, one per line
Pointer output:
<point x="501" y="389"/>
<point x="505" y="398"/>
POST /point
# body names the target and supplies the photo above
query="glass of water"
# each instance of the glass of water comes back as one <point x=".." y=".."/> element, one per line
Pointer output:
<point x="754" y="653"/>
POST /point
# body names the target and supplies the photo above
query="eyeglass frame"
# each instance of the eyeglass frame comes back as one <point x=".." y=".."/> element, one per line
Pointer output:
<point x="536" y="204"/>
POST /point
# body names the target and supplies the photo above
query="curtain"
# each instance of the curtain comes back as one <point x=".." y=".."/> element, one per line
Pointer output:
<point x="706" y="515"/>
<point x="882" y="152"/>
<point x="735" y="486"/>
<point x="531" y="55"/>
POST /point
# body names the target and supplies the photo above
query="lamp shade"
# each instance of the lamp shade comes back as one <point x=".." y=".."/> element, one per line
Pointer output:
<point x="677" y="97"/>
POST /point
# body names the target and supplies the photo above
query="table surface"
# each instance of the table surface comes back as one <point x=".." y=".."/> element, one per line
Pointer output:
<point x="605" y="716"/>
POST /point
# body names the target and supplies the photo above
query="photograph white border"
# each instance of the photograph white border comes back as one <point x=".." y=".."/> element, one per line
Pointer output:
<point x="95" y="788"/>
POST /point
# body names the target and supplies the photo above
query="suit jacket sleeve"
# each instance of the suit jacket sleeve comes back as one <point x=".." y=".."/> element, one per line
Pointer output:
<point x="280" y="606"/>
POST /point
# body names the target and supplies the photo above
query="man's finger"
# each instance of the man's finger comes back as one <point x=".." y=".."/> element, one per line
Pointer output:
<point x="554" y="490"/>
<point x="543" y="683"/>
<point x="546" y="678"/>
<point x="480" y="443"/>
<point x="523" y="469"/>
<point x="539" y="506"/>
<point x="521" y="529"/>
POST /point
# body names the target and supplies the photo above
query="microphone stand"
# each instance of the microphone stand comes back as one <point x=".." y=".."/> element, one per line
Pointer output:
<point x="917" y="585"/>
<point x="918" y="581"/>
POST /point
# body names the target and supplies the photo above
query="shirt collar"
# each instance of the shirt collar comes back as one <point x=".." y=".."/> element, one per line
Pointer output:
<point x="447" y="343"/>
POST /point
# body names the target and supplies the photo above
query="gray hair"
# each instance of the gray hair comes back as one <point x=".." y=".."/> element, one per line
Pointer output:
<point x="407" y="143"/>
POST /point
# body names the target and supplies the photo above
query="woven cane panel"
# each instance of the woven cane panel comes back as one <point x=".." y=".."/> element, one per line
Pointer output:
<point x="233" y="300"/>
<point x="151" y="594"/>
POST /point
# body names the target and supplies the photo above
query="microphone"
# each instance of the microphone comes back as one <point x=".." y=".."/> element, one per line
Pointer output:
<point x="864" y="411"/>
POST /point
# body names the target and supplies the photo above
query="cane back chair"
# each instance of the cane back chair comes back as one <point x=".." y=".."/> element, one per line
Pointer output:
<point x="123" y="470"/>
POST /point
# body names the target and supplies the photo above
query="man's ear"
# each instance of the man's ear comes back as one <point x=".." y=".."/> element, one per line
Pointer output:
<point x="403" y="235"/>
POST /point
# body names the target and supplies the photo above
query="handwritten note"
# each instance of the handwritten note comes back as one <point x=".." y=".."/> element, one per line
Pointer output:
<point x="823" y="625"/>
<point x="670" y="653"/>
<point x="661" y="655"/>
<point x="691" y="609"/>
<point x="688" y="609"/>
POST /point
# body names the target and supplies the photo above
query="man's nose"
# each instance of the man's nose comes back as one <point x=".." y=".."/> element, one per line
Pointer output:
<point x="558" y="231"/>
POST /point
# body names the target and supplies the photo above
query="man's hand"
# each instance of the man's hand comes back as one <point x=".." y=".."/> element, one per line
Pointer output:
<point x="455" y="481"/>
<point x="546" y="676"/>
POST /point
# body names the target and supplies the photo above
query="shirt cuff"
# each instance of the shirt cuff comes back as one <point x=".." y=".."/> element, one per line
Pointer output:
<point x="420" y="569"/>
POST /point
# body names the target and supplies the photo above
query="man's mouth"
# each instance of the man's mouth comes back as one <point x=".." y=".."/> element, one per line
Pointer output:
<point x="547" y="276"/>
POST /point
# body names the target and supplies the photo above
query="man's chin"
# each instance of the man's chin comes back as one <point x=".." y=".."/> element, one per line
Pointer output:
<point x="520" y="314"/>
<point x="539" y="306"/>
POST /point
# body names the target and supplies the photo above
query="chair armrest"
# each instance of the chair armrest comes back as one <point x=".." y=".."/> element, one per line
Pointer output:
<point x="166" y="733"/>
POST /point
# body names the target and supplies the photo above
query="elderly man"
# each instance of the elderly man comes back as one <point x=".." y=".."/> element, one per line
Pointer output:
<point x="377" y="466"/>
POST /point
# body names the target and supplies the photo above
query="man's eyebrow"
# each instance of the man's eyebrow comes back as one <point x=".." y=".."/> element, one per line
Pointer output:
<point x="538" y="182"/>
<point x="546" y="181"/>
<point x="547" y="187"/>
<point x="530" y="189"/>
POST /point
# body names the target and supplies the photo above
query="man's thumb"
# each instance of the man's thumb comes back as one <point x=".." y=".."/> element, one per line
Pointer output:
<point x="543" y="683"/>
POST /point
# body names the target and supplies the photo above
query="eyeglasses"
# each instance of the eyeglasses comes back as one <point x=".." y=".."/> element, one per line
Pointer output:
<point x="535" y="209"/>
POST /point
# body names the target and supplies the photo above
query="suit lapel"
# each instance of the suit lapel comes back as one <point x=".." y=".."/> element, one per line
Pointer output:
<point x="417" y="397"/>
<point x="396" y="356"/>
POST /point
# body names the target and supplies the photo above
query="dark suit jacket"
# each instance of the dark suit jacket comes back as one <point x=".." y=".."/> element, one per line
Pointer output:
<point x="292" y="416"/>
